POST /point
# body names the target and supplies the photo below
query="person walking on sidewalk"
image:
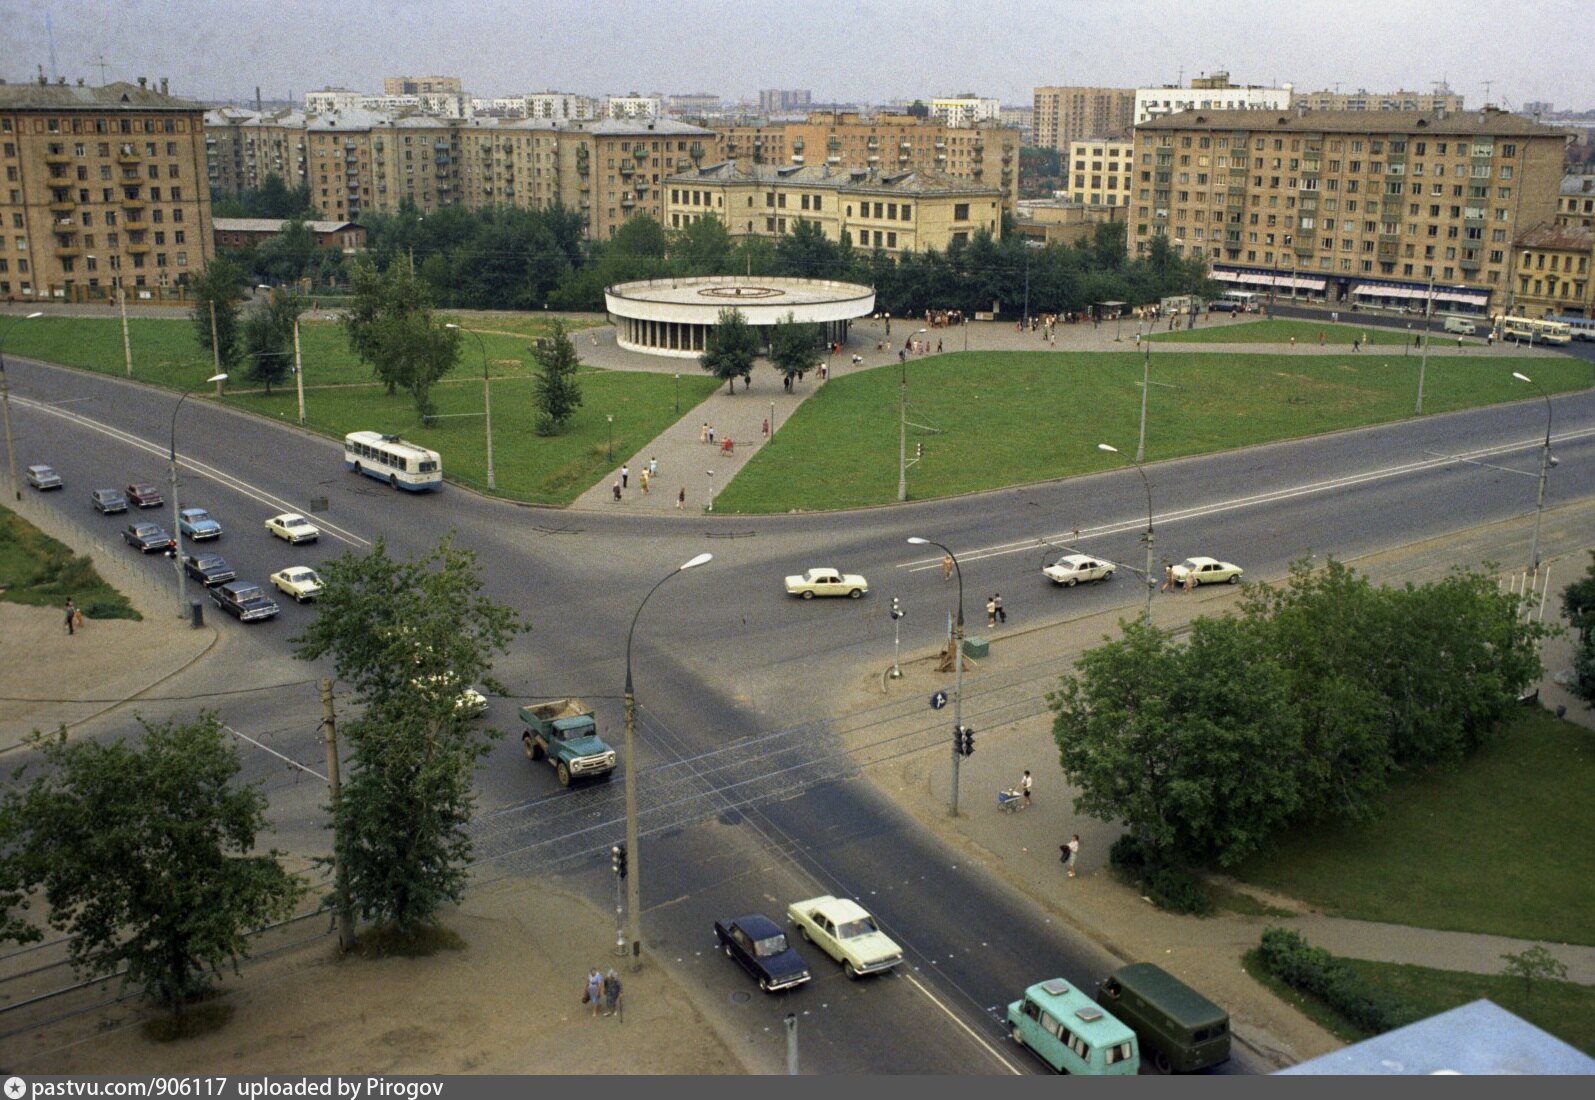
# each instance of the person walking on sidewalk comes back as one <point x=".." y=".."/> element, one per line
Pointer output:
<point x="991" y="611"/>
<point x="1024" y="786"/>
<point x="625" y="476"/>
<point x="653" y="467"/>
<point x="1070" y="852"/>
<point x="71" y="616"/>
<point x="703" y="433"/>
<point x="1002" y="616"/>
<point x="617" y="492"/>
<point x="1168" y="576"/>
<point x="595" y="990"/>
<point x="681" y="498"/>
<point x="642" y="480"/>
<point x="612" y="992"/>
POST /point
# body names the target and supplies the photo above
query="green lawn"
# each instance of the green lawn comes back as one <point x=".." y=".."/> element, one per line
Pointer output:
<point x="1015" y="417"/>
<point x="1499" y="844"/>
<point x="1223" y="331"/>
<point x="38" y="571"/>
<point x="986" y="419"/>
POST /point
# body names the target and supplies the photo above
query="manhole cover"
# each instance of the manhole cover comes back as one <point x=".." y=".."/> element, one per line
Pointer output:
<point x="741" y="998"/>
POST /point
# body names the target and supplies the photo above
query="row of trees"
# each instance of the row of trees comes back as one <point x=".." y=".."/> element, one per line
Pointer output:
<point x="144" y="850"/>
<point x="1297" y="710"/>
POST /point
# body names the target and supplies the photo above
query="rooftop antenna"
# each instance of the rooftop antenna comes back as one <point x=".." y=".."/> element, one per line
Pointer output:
<point x="102" y="68"/>
<point x="1487" y="84"/>
<point x="49" y="31"/>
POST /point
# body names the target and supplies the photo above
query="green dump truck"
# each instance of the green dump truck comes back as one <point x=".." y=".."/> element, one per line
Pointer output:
<point x="564" y="733"/>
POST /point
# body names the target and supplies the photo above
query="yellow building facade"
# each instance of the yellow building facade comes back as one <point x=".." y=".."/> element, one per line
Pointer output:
<point x="1551" y="272"/>
<point x="1099" y="172"/>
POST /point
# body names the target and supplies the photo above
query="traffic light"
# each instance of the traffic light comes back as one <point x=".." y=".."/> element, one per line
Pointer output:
<point x="617" y="860"/>
<point x="963" y="740"/>
<point x="897" y="609"/>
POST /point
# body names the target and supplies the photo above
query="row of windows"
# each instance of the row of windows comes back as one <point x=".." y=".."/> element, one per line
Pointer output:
<point x="1573" y="289"/>
<point x="1536" y="260"/>
<point x="99" y="125"/>
<point x="58" y="175"/>
<point x="1396" y="146"/>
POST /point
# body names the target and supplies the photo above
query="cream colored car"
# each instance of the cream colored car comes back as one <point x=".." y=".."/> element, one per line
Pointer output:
<point x="845" y="931"/>
<point x="826" y="582"/>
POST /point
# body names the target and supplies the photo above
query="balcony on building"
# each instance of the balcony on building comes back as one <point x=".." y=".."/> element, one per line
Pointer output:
<point x="127" y="154"/>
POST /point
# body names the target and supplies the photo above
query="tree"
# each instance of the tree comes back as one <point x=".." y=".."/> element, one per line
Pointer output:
<point x="219" y="286"/>
<point x="792" y="346"/>
<point x="390" y="327"/>
<point x="730" y="348"/>
<point x="408" y="637"/>
<point x="1534" y="964"/>
<point x="145" y="853"/>
<point x="556" y="392"/>
<point x="1200" y="767"/>
<point x="1578" y="606"/>
<point x="702" y="247"/>
<point x="269" y="336"/>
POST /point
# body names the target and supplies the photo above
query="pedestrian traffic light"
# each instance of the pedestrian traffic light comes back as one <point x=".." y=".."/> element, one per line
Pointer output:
<point x="897" y="609"/>
<point x="617" y="860"/>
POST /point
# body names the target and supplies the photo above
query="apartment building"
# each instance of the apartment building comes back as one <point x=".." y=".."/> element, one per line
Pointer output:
<point x="1575" y="204"/>
<point x="1062" y="115"/>
<point x="421" y="85"/>
<point x="776" y="101"/>
<point x="104" y="187"/>
<point x="909" y="211"/>
<point x="634" y="106"/>
<point x="1098" y="173"/>
<point x="840" y="140"/>
<point x="1355" y="206"/>
<point x="1441" y="99"/>
<point x="1211" y="93"/>
<point x="1551" y="272"/>
<point x="965" y="110"/>
<point x="562" y="106"/>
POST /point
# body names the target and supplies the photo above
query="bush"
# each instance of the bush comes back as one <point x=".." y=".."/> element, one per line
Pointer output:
<point x="1176" y="891"/>
<point x="1127" y="853"/>
<point x="1317" y="973"/>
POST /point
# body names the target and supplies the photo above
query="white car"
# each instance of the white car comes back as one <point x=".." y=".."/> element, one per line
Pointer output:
<point x="1207" y="571"/>
<point x="1073" y="569"/>
<point x="845" y="931"/>
<point x="293" y="527"/>
<point x="826" y="582"/>
<point x="299" y="581"/>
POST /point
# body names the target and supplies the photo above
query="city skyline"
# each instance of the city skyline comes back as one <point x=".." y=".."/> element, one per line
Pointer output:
<point x="862" y="50"/>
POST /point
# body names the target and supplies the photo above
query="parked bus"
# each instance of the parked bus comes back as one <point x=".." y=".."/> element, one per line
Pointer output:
<point x="389" y="458"/>
<point x="1535" y="332"/>
<point x="1583" y="328"/>
<point x="1236" y="301"/>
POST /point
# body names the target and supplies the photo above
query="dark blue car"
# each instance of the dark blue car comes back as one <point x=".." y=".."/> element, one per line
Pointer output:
<point x="759" y="944"/>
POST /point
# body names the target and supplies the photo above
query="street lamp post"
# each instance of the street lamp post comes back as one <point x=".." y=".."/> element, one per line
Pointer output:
<point x="1423" y="361"/>
<point x="610" y="453"/>
<point x="127" y="344"/>
<point x="678" y="393"/>
<point x="487" y="395"/>
<point x="1146" y="388"/>
<point x="177" y="532"/>
<point x="958" y="664"/>
<point x="711" y="491"/>
<point x="902" y="425"/>
<point x="634" y="854"/>
<point x="5" y="401"/>
<point x="1151" y="584"/>
<point x="1546" y="462"/>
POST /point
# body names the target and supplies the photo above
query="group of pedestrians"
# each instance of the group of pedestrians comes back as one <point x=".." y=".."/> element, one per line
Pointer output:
<point x="603" y="989"/>
<point x="994" y="610"/>
<point x="1170" y="581"/>
<point x="1069" y="850"/>
<point x="645" y="478"/>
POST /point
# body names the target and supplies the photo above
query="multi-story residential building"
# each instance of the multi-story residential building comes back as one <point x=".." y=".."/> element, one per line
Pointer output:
<point x="777" y="101"/>
<point x="1098" y="173"/>
<point x="1441" y="99"/>
<point x="562" y="106"/>
<point x="1357" y="206"/>
<point x="984" y="154"/>
<point x="1021" y="118"/>
<point x="104" y="187"/>
<point x="634" y="106"/>
<point x="420" y="85"/>
<point x="1575" y="205"/>
<point x="1211" y="93"/>
<point x="1067" y="114"/>
<point x="332" y="99"/>
<point x="909" y="211"/>
<point x="1551" y="272"/>
<point x="695" y="105"/>
<point x="965" y="110"/>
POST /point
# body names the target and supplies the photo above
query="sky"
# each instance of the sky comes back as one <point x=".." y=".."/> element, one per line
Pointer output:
<point x="866" y="51"/>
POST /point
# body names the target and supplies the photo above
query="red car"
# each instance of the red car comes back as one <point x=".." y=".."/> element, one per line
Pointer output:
<point x="145" y="495"/>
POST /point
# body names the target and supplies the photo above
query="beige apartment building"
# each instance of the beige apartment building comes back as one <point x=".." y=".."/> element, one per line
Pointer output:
<point x="420" y="85"/>
<point x="909" y="211"/>
<point x="1575" y="205"/>
<point x="1439" y="100"/>
<point x="1348" y="206"/>
<point x="104" y="187"/>
<point x="1551" y="272"/>
<point x="1064" y="115"/>
<point x="1098" y="173"/>
<point x="983" y="154"/>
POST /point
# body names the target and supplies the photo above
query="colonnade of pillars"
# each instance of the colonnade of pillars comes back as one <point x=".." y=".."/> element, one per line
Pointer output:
<point x="689" y="337"/>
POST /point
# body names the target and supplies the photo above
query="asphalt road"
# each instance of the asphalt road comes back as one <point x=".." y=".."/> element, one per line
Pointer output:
<point x="749" y="800"/>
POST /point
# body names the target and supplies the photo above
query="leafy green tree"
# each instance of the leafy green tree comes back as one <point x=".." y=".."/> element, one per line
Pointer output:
<point x="807" y="253"/>
<point x="269" y="337"/>
<point x="1534" y="964"/>
<point x="1578" y="606"/>
<point x="793" y="345"/>
<point x="272" y="199"/>
<point x="702" y="247"/>
<point x="1200" y="767"/>
<point x="407" y="637"/>
<point x="390" y="327"/>
<point x="145" y="853"/>
<point x="418" y="351"/>
<point x="220" y="286"/>
<point x="556" y="392"/>
<point x="730" y="348"/>
<point x="641" y="236"/>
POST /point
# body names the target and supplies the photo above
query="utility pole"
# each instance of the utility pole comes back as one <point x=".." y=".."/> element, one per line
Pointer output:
<point x="215" y="346"/>
<point x="902" y="434"/>
<point x="299" y="372"/>
<point x="127" y="345"/>
<point x="343" y="915"/>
